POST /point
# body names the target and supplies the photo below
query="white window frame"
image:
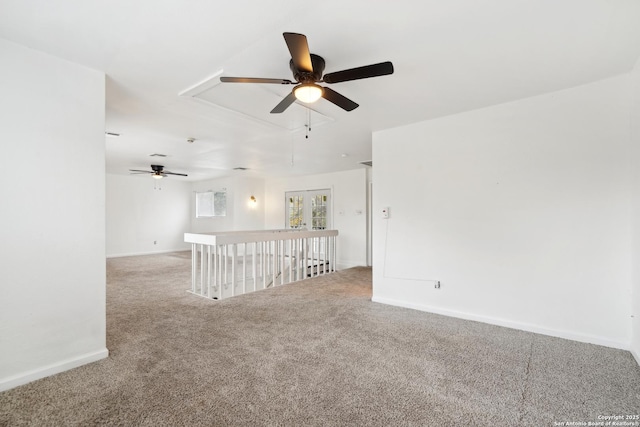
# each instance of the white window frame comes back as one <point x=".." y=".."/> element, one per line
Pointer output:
<point x="211" y="208"/>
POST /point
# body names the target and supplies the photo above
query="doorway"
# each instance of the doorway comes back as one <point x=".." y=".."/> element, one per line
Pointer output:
<point x="308" y="209"/>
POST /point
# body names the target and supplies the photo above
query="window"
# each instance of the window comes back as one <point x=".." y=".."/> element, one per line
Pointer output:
<point x="211" y="204"/>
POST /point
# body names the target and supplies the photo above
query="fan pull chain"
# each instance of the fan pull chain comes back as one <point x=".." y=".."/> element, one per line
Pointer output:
<point x="308" y="125"/>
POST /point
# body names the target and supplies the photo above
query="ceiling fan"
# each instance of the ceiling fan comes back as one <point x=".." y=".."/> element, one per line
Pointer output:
<point x="157" y="171"/>
<point x="307" y="71"/>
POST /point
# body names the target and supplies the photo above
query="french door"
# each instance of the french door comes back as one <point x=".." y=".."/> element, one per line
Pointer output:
<point x="308" y="209"/>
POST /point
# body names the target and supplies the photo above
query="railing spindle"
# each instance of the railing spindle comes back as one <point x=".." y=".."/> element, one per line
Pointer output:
<point x="208" y="271"/>
<point x="234" y="256"/>
<point x="194" y="266"/>
<point x="253" y="263"/>
<point x="202" y="270"/>
<point x="244" y="269"/>
<point x="310" y="254"/>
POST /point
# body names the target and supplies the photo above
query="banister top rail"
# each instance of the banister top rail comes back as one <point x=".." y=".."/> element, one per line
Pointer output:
<point x="225" y="238"/>
<point x="273" y="230"/>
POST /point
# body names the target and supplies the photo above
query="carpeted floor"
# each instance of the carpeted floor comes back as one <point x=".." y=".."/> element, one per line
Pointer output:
<point x="313" y="353"/>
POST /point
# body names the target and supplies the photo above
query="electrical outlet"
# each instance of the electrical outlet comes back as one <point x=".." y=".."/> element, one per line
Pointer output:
<point x="437" y="285"/>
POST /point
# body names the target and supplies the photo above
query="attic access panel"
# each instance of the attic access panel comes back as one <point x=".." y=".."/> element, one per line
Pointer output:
<point x="255" y="102"/>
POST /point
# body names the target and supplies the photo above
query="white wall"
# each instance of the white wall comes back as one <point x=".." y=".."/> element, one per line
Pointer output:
<point x="248" y="216"/>
<point x="520" y="210"/>
<point x="635" y="142"/>
<point x="146" y="216"/>
<point x="349" y="207"/>
<point x="240" y="214"/>
<point x="139" y="214"/>
<point x="52" y="232"/>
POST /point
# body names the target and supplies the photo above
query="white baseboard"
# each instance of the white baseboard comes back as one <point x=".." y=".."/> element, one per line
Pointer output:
<point x="46" y="371"/>
<point x="590" y="339"/>
<point x="344" y="264"/>
<point x="147" y="253"/>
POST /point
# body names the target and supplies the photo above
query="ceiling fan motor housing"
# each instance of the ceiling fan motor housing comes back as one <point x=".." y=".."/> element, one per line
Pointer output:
<point x="309" y="77"/>
<point x="157" y="168"/>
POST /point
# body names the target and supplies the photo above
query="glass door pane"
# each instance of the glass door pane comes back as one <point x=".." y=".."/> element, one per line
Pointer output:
<point x="295" y="210"/>
<point x="308" y="209"/>
<point x="319" y="218"/>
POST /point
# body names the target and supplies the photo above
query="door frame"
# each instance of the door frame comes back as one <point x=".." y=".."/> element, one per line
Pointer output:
<point x="328" y="190"/>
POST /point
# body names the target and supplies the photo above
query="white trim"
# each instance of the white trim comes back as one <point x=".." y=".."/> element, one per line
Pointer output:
<point x="182" y="249"/>
<point x="636" y="356"/>
<point x="590" y="339"/>
<point x="206" y="84"/>
<point x="344" y="264"/>
<point x="193" y="93"/>
<point x="330" y="215"/>
<point x="369" y="219"/>
<point x="36" y="374"/>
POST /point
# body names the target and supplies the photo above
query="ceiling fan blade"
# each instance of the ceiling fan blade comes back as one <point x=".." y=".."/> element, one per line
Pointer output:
<point x="174" y="173"/>
<point x="254" y="80"/>
<point x="284" y="104"/>
<point x="299" y="49"/>
<point x="139" y="171"/>
<point x="374" y="70"/>
<point x="340" y="100"/>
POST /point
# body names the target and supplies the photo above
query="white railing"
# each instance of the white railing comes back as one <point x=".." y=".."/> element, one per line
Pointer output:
<point x="226" y="264"/>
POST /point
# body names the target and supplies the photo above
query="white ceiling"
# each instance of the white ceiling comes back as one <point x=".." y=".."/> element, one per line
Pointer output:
<point x="449" y="57"/>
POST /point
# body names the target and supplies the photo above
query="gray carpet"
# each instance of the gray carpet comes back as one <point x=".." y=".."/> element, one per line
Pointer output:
<point x="313" y="353"/>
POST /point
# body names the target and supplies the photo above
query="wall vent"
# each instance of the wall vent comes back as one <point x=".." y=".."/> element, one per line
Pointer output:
<point x="367" y="163"/>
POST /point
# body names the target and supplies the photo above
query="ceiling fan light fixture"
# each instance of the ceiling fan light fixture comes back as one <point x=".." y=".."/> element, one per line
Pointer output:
<point x="308" y="92"/>
<point x="157" y="175"/>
